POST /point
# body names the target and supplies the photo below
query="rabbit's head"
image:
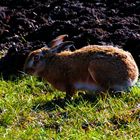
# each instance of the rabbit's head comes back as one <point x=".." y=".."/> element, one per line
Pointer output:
<point x="35" y="61"/>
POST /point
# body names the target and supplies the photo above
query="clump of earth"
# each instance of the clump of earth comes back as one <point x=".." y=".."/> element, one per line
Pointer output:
<point x="26" y="25"/>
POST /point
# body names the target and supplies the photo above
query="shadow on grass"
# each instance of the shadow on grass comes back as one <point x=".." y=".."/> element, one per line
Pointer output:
<point x="63" y="103"/>
<point x="81" y="98"/>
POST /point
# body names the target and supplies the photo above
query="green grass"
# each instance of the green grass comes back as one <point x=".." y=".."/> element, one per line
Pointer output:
<point x="31" y="110"/>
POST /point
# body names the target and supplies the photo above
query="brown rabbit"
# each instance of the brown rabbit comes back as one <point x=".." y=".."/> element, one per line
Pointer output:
<point x="94" y="67"/>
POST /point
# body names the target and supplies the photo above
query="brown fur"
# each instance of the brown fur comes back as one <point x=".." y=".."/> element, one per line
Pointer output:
<point x="104" y="66"/>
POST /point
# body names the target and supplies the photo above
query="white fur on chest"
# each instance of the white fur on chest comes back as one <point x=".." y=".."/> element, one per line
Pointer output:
<point x="86" y="86"/>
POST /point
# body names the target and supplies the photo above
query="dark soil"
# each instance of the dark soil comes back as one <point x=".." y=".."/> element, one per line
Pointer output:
<point x="26" y="25"/>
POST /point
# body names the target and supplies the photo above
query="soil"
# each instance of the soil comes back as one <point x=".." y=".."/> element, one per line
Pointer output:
<point x="26" y="25"/>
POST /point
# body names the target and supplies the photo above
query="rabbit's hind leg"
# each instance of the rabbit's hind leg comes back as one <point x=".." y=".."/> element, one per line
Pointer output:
<point x="104" y="73"/>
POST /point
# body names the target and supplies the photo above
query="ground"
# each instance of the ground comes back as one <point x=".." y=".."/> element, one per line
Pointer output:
<point x="32" y="110"/>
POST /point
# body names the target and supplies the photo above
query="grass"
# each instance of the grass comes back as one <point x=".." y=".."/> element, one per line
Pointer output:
<point x="32" y="110"/>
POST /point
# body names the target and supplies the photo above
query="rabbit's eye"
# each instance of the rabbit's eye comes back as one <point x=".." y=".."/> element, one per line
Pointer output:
<point x="36" y="58"/>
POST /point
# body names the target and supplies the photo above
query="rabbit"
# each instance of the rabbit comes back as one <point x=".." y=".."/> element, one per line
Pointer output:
<point x="91" y="68"/>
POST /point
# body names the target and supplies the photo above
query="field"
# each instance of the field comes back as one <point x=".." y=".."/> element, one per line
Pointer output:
<point x="32" y="110"/>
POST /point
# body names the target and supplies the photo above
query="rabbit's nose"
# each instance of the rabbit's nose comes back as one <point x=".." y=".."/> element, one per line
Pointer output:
<point x="29" y="70"/>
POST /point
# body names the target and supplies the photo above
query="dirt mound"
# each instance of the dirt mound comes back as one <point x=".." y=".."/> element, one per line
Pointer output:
<point x="29" y="24"/>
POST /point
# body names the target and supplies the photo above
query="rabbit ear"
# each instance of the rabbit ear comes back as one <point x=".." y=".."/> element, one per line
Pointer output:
<point x="57" y="41"/>
<point x="63" y="46"/>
